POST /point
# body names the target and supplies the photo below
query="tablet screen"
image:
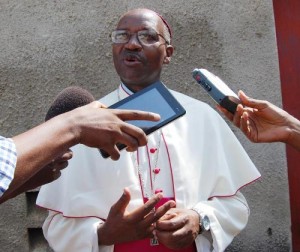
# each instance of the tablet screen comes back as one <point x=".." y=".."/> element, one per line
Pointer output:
<point x="155" y="98"/>
<point x="151" y="101"/>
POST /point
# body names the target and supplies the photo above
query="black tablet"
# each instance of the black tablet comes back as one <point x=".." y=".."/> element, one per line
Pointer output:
<point x="155" y="98"/>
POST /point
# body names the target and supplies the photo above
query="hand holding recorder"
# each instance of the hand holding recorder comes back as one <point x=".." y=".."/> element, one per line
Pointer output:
<point x="262" y="121"/>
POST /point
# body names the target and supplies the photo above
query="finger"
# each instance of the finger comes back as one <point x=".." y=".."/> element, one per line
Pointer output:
<point x="121" y="205"/>
<point x="164" y="237"/>
<point x="237" y="115"/>
<point x="55" y="169"/>
<point x="248" y="127"/>
<point x="245" y="124"/>
<point x="137" y="133"/>
<point x="131" y="142"/>
<point x="56" y="175"/>
<point x="179" y="239"/>
<point x="62" y="165"/>
<point x="252" y="132"/>
<point x="127" y="115"/>
<point x="250" y="102"/>
<point x="113" y="152"/>
<point x="66" y="156"/>
<point x="158" y="213"/>
<point x="133" y="147"/>
<point x="162" y="210"/>
<point x="149" y="231"/>
<point x="142" y="211"/>
<point x="228" y="115"/>
<point x="168" y="216"/>
<point x="170" y="224"/>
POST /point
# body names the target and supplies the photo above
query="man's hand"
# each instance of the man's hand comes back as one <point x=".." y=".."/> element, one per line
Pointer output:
<point x="260" y="120"/>
<point x="104" y="128"/>
<point x="45" y="175"/>
<point x="50" y="172"/>
<point x="122" y="226"/>
<point x="178" y="228"/>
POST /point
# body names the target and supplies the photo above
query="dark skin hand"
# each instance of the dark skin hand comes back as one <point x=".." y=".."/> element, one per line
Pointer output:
<point x="262" y="121"/>
<point x="91" y="125"/>
<point x="50" y="172"/>
<point x="45" y="175"/>
<point x="123" y="226"/>
<point x="178" y="228"/>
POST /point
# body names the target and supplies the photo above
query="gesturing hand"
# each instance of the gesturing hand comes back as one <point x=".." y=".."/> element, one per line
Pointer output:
<point x="104" y="128"/>
<point x="178" y="228"/>
<point x="123" y="226"/>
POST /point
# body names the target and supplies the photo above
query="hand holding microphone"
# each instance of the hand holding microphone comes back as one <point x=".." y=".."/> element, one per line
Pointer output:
<point x="92" y="125"/>
<point x="67" y="100"/>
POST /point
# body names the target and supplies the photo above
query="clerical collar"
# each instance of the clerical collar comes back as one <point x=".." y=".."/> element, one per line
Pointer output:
<point x="126" y="89"/>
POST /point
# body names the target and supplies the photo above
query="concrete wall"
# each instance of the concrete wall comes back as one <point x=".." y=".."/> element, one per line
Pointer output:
<point x="46" y="46"/>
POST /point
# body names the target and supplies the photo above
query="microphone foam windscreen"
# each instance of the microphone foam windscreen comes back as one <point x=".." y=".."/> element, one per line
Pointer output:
<point x="68" y="99"/>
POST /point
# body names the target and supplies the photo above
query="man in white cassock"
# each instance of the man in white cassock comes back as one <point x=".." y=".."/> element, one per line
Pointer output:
<point x="178" y="193"/>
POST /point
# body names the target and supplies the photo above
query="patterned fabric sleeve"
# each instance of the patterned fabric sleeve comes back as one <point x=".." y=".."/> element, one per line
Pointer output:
<point x="8" y="161"/>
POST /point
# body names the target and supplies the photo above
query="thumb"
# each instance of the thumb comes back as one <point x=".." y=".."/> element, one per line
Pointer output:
<point x="121" y="205"/>
<point x="250" y="102"/>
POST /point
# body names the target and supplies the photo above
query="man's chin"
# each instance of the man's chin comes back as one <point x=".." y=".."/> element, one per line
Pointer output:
<point x="134" y="84"/>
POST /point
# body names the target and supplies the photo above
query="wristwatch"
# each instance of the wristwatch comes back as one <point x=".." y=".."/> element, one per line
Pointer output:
<point x="204" y="223"/>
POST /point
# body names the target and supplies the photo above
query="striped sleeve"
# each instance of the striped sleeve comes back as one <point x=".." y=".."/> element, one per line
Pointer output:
<point x="8" y="161"/>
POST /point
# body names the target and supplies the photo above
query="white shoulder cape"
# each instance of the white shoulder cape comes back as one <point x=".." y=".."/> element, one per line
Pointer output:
<point x="206" y="157"/>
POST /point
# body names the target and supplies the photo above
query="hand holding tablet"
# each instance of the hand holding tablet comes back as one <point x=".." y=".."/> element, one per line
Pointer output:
<point x="155" y="98"/>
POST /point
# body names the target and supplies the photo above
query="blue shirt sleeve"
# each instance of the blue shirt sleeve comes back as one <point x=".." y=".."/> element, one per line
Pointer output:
<point x="8" y="161"/>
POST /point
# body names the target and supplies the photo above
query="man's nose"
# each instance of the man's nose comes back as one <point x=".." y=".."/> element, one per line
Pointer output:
<point x="133" y="42"/>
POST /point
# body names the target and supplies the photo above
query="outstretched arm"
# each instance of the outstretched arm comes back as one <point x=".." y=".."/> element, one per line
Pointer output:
<point x="262" y="121"/>
<point x="91" y="125"/>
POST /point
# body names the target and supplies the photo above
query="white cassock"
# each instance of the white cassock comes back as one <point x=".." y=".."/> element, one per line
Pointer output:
<point x="202" y="165"/>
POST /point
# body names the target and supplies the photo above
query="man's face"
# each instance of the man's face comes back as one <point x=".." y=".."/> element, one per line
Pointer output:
<point x="139" y="65"/>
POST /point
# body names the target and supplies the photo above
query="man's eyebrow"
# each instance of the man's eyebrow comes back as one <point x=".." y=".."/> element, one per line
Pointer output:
<point x="141" y="29"/>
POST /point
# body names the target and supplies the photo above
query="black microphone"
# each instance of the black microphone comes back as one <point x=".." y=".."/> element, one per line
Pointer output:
<point x="68" y="99"/>
<point x="71" y="98"/>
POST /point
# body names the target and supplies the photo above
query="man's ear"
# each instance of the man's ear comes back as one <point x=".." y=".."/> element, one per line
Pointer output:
<point x="169" y="53"/>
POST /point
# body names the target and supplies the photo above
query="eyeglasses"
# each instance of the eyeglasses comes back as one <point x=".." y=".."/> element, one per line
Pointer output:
<point x="145" y="37"/>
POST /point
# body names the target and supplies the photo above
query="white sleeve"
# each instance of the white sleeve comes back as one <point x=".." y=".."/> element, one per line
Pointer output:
<point x="73" y="234"/>
<point x="228" y="217"/>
